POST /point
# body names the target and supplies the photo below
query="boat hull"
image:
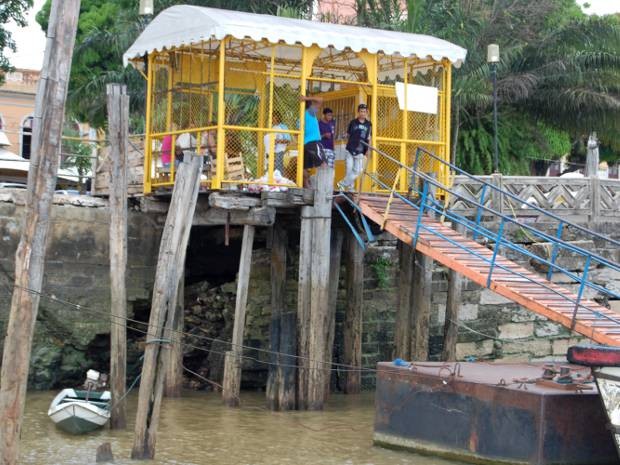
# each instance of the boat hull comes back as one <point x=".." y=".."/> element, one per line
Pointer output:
<point x="77" y="416"/>
<point x="479" y="418"/>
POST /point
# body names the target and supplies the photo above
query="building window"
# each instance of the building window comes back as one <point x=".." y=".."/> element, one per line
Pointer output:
<point x="26" y="137"/>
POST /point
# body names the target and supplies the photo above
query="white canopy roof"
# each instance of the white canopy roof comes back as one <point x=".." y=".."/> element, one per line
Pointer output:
<point x="184" y="25"/>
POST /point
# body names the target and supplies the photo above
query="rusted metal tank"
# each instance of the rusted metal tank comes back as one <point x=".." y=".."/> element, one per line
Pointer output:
<point x="492" y="413"/>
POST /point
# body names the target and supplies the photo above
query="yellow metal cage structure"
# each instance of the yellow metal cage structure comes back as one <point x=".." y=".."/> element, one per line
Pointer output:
<point x="234" y="101"/>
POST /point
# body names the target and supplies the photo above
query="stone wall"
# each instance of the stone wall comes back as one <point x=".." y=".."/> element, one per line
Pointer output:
<point x="68" y="339"/>
<point x="72" y="330"/>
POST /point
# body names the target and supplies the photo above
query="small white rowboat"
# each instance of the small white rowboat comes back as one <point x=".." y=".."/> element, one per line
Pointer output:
<point x="79" y="411"/>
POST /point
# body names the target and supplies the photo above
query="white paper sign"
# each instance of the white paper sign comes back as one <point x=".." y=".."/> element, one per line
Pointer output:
<point x="422" y="99"/>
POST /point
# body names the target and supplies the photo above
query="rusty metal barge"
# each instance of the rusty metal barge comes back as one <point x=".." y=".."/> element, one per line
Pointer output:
<point x="493" y="413"/>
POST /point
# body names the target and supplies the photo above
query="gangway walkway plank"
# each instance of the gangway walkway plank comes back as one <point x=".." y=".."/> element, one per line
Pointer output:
<point x="520" y="285"/>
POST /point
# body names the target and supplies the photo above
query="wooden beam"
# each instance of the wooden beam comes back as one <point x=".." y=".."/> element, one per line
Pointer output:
<point x="211" y="216"/>
<point x="303" y="304"/>
<point x="453" y="304"/>
<point x="404" y="313"/>
<point x="421" y="299"/>
<point x="353" y="317"/>
<point x="172" y="251"/>
<point x="232" y="364"/>
<point x="319" y="296"/>
<point x="335" y="256"/>
<point x="173" y="384"/>
<point x="118" y="129"/>
<point x="30" y="256"/>
<point x="278" y="304"/>
<point x="230" y="201"/>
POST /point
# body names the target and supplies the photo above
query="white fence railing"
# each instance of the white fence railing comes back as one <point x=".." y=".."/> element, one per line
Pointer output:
<point x="591" y="197"/>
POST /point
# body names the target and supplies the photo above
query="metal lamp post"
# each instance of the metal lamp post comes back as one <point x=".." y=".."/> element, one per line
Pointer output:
<point x="493" y="59"/>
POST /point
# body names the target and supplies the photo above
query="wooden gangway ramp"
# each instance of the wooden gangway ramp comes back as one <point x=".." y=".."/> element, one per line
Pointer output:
<point x="473" y="260"/>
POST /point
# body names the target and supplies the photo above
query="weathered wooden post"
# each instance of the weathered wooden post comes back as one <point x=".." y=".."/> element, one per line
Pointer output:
<point x="30" y="255"/>
<point x="453" y="304"/>
<point x="335" y="256"/>
<point x="404" y="316"/>
<point x="173" y="384"/>
<point x="353" y="315"/>
<point x="118" y="129"/>
<point x="172" y="251"/>
<point x="231" y="384"/>
<point x="303" y="305"/>
<point x="421" y="298"/>
<point x="319" y="297"/>
<point x="278" y="303"/>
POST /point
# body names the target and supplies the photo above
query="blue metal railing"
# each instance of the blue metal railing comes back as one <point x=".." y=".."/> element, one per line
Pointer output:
<point x="429" y="204"/>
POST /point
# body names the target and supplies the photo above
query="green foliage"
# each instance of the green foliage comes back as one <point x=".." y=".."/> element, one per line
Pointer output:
<point x="105" y="30"/>
<point x="381" y="268"/>
<point x="75" y="154"/>
<point x="558" y="79"/>
<point x="10" y="10"/>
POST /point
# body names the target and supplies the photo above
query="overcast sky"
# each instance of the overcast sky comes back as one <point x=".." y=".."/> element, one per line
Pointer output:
<point x="31" y="40"/>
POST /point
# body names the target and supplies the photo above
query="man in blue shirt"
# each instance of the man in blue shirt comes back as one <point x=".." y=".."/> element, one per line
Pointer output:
<point x="314" y="153"/>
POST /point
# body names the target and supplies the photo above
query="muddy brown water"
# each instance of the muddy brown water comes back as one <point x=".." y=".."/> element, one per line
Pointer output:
<point x="198" y="430"/>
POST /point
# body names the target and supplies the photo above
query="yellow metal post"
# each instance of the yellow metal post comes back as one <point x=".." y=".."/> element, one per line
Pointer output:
<point x="308" y="56"/>
<point x="271" y="153"/>
<point x="147" y="138"/>
<point x="371" y="62"/>
<point x="445" y="178"/>
<point x="261" y="118"/>
<point x="221" y="116"/>
<point x="405" y="130"/>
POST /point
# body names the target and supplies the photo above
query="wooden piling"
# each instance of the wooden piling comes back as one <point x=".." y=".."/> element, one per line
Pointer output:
<point x="231" y="385"/>
<point x="173" y="384"/>
<point x="404" y="312"/>
<point x="170" y="263"/>
<point x="353" y="315"/>
<point x="303" y="305"/>
<point x="335" y="256"/>
<point x="118" y="133"/>
<point x="30" y="256"/>
<point x="453" y="305"/>
<point x="421" y="299"/>
<point x="279" y="239"/>
<point x="319" y="297"/>
<point x="286" y="371"/>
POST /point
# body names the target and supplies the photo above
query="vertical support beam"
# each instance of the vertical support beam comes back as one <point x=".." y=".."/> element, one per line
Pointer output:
<point x="287" y="372"/>
<point x="447" y="98"/>
<point x="404" y="317"/>
<point x="172" y="252"/>
<point x="319" y="300"/>
<point x="422" y="291"/>
<point x="278" y="304"/>
<point x="118" y="127"/>
<point x="30" y="256"/>
<point x="232" y="364"/>
<point x="353" y="315"/>
<point x="221" y="117"/>
<point x="335" y="256"/>
<point x="303" y="304"/>
<point x="453" y="305"/>
<point x="173" y="384"/>
<point x="496" y="196"/>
